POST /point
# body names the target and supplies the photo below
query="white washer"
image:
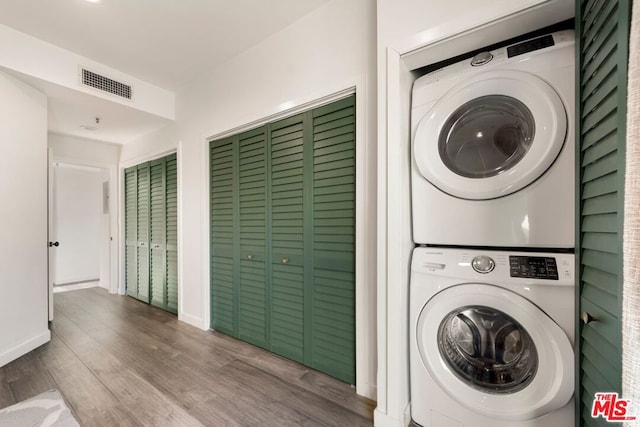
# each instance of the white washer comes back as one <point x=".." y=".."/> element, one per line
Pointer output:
<point x="493" y="148"/>
<point x="491" y="338"/>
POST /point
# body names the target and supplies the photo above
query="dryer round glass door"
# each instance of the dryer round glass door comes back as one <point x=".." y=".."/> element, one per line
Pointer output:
<point x="491" y="136"/>
<point x="486" y="136"/>
<point x="495" y="352"/>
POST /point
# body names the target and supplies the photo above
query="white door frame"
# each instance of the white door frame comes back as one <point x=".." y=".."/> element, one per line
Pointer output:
<point x="113" y="217"/>
<point x="50" y="225"/>
<point x="120" y="285"/>
<point x="473" y="30"/>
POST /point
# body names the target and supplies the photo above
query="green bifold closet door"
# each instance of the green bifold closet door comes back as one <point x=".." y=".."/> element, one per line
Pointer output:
<point x="602" y="29"/>
<point x="283" y="237"/>
<point x="151" y="195"/>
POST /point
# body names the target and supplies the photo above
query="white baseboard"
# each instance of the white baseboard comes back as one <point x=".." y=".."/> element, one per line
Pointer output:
<point x="406" y="416"/>
<point x="198" y="322"/>
<point x="75" y="280"/>
<point x="367" y="390"/>
<point x="75" y="287"/>
<point x="381" y="419"/>
<point x="24" y="348"/>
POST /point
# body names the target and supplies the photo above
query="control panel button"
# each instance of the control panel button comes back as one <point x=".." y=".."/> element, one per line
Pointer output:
<point x="483" y="264"/>
<point x="481" y="59"/>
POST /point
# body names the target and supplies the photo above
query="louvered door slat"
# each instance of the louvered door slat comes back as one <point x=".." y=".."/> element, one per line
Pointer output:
<point x="602" y="167"/>
<point x="597" y="358"/>
<point x="599" y="71"/>
<point x="333" y="290"/>
<point x="287" y="239"/>
<point x="606" y="128"/>
<point x="222" y="238"/>
<point x="606" y="14"/>
<point x="600" y="279"/>
<point x="252" y="303"/>
<point x="602" y="34"/>
<point x="590" y="9"/>
<point x="606" y="146"/>
<point x="606" y="88"/>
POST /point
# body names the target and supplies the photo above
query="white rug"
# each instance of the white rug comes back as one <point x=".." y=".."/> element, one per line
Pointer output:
<point x="45" y="410"/>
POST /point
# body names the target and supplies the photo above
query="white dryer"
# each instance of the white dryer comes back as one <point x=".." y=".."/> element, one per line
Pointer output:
<point x="493" y="148"/>
<point x="491" y="338"/>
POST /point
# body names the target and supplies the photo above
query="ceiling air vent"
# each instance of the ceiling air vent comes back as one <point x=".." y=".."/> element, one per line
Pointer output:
<point x="91" y="79"/>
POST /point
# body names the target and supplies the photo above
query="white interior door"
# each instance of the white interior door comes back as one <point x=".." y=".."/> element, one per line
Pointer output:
<point x="77" y="223"/>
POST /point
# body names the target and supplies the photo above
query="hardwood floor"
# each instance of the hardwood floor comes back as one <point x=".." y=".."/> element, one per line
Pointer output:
<point x="118" y="361"/>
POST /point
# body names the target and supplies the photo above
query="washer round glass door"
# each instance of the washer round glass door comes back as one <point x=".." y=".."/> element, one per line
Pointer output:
<point x="491" y="136"/>
<point x="495" y="352"/>
<point x="488" y="349"/>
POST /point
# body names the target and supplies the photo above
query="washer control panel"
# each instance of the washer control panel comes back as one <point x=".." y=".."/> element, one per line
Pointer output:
<point x="500" y="267"/>
<point x="533" y="267"/>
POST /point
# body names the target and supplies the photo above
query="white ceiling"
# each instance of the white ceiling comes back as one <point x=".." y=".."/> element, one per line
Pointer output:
<point x="167" y="43"/>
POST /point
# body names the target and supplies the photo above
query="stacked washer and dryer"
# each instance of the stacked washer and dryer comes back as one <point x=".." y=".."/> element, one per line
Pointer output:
<point x="492" y="292"/>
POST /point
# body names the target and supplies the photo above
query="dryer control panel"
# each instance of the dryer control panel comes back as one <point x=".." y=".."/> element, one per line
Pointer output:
<point x="533" y="267"/>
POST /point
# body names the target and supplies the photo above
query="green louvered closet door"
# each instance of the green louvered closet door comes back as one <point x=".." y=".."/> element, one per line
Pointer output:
<point x="602" y="44"/>
<point x="151" y="232"/>
<point x="223" y="217"/>
<point x="131" y="230"/>
<point x="143" y="227"/>
<point x="252" y="228"/>
<point x="239" y="286"/>
<point x="333" y="291"/>
<point x="288" y="189"/>
<point x="171" y="193"/>
<point x="287" y="238"/>
<point x="157" y="222"/>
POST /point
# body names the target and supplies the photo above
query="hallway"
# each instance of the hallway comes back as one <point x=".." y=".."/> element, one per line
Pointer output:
<point x="121" y="362"/>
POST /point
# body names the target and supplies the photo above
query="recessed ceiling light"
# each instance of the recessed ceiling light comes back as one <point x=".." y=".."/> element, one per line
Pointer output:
<point x="94" y="1"/>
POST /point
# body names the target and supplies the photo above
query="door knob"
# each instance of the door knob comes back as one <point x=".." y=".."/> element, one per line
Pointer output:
<point x="588" y="318"/>
<point x="285" y="260"/>
<point x="56" y="244"/>
<point x="249" y="257"/>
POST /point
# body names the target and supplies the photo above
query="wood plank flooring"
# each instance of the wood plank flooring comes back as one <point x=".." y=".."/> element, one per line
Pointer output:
<point x="120" y="362"/>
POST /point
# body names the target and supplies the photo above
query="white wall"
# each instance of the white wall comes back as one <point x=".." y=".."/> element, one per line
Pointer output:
<point x="325" y="52"/>
<point x="77" y="223"/>
<point x="69" y="149"/>
<point x="23" y="219"/>
<point x="414" y="33"/>
<point x="105" y="156"/>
